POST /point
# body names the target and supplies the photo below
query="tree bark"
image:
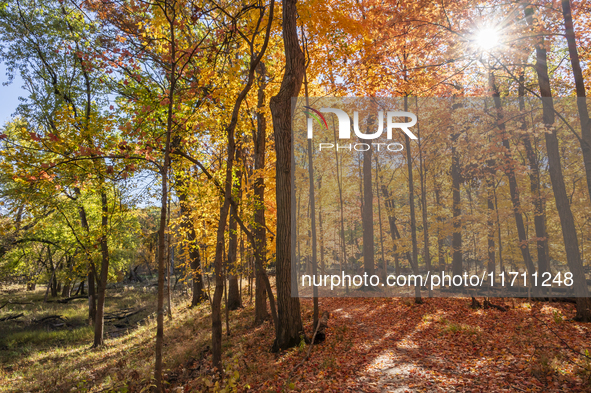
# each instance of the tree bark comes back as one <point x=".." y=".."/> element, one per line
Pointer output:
<point x="312" y="198"/>
<point x="170" y="14"/>
<point x="423" y="181"/>
<point x="100" y="304"/>
<point x="499" y="237"/>
<point x="288" y="308"/>
<point x="534" y="181"/>
<point x="580" y="90"/>
<point x="339" y="168"/>
<point x="190" y="242"/>
<point x="490" y="225"/>
<point x="456" y="243"/>
<point x="509" y="169"/>
<point x="320" y="226"/>
<point x="199" y="294"/>
<point x="440" y="252"/>
<point x="367" y="216"/>
<point x="260" y="140"/>
<point x="91" y="299"/>
<point x="394" y="233"/>
<point x="66" y="289"/>
<point x="234" y="301"/>
<point x="413" y="218"/>
<point x="378" y="178"/>
<point x="169" y="263"/>
<point x="53" y="280"/>
<point x="80" y="290"/>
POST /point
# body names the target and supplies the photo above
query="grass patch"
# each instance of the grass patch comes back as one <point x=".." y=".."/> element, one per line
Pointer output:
<point x="36" y="357"/>
<point x="46" y="338"/>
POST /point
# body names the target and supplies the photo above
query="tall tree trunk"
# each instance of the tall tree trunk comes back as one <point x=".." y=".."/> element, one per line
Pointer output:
<point x="216" y="316"/>
<point x="339" y="175"/>
<point x="66" y="289"/>
<point x="234" y="301"/>
<point x="394" y="233"/>
<point x="224" y="257"/>
<point x="91" y="298"/>
<point x="580" y="89"/>
<point x="169" y="264"/>
<point x="102" y="289"/>
<point x="243" y="265"/>
<point x="199" y="293"/>
<point x="80" y="290"/>
<point x="216" y="319"/>
<point x="91" y="268"/>
<point x="170" y="14"/>
<point x="53" y="280"/>
<point x="367" y="216"/>
<point x="567" y="222"/>
<point x="440" y="252"/>
<point x="161" y="259"/>
<point x="509" y="169"/>
<point x="499" y="237"/>
<point x="68" y="281"/>
<point x="288" y="307"/>
<point x="312" y="199"/>
<point x="50" y="282"/>
<point x="413" y="218"/>
<point x="260" y="252"/>
<point x="322" y="263"/>
<point x="456" y="180"/>
<point x="297" y="253"/>
<point x="490" y="199"/>
<point x="423" y="181"/>
<point x="190" y="241"/>
<point x="534" y="181"/>
<point x="378" y="178"/>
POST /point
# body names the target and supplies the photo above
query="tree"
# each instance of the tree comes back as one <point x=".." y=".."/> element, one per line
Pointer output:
<point x="569" y="231"/>
<point x="585" y="140"/>
<point x="259" y="137"/>
<point x="289" y="321"/>
<point x="367" y="215"/>
<point x="64" y="113"/>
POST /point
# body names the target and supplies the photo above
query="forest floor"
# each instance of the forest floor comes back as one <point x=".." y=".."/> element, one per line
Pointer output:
<point x="372" y="345"/>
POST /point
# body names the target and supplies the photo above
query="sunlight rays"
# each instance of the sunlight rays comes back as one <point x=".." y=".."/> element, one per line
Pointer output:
<point x="488" y="39"/>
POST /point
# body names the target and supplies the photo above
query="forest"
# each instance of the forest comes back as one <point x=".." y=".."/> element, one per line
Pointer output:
<point x="194" y="196"/>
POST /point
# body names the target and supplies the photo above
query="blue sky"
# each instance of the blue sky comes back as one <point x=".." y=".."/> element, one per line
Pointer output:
<point x="9" y="95"/>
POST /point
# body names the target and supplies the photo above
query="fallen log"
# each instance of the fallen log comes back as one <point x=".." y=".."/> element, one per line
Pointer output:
<point x="114" y="316"/>
<point x="48" y="317"/>
<point x="10" y="317"/>
<point x="11" y="302"/>
<point x="54" y="321"/>
<point x="66" y="300"/>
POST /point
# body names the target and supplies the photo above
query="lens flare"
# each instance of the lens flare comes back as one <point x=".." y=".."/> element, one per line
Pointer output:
<point x="487" y="39"/>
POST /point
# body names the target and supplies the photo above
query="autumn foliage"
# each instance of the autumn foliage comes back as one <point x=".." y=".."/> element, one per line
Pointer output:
<point x="162" y="144"/>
